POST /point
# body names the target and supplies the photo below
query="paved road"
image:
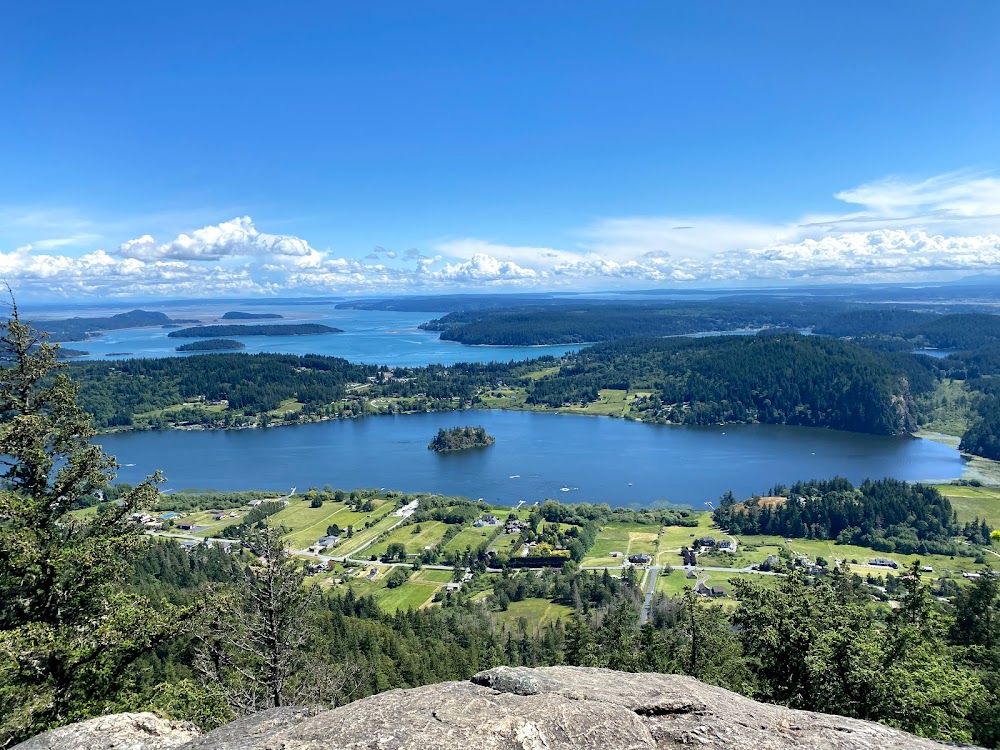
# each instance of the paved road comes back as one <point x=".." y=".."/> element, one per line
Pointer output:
<point x="652" y="574"/>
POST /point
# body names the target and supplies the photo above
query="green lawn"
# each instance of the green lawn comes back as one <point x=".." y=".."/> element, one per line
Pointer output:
<point x="432" y="576"/>
<point x="943" y="565"/>
<point x="974" y="502"/>
<point x="674" y="583"/>
<point x="430" y="534"/>
<point x="471" y="537"/>
<point x="677" y="581"/>
<point x="363" y="536"/>
<point x="627" y="538"/>
<point x="537" y="612"/>
<point x="411" y="594"/>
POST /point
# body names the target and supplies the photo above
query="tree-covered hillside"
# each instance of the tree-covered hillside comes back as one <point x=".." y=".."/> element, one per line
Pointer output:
<point x="777" y="379"/>
<point x="594" y="321"/>
<point x="886" y="515"/>
<point x="782" y="379"/>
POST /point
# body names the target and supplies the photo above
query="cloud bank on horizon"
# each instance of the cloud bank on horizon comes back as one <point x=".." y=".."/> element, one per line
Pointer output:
<point x="896" y="229"/>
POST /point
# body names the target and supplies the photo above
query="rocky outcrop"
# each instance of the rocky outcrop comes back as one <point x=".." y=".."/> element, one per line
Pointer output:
<point x="530" y="709"/>
<point x="117" y="732"/>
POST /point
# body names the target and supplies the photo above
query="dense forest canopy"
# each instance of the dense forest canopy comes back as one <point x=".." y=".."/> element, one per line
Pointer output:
<point x="212" y="345"/>
<point x="886" y="515"/>
<point x="571" y="321"/>
<point x="460" y="438"/>
<point x="778" y="379"/>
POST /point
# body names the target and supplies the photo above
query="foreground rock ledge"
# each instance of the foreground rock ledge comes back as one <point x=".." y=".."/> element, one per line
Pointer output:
<point x="510" y="709"/>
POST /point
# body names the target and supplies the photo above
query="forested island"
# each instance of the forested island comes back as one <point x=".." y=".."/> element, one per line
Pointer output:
<point x="212" y="345"/>
<point x="80" y="329"/>
<point x="460" y="439"/>
<point x="284" y="329"/>
<point x="237" y="315"/>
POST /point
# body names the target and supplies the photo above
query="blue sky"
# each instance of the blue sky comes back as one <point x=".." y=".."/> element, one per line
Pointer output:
<point x="515" y="144"/>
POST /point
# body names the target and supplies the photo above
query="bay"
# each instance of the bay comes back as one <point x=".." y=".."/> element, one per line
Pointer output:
<point x="369" y="336"/>
<point x="536" y="456"/>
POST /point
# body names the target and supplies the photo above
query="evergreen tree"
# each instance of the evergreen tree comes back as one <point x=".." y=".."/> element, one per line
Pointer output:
<point x="67" y="625"/>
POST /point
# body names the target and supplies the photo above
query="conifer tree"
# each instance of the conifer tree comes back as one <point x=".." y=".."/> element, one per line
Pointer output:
<point x="68" y="628"/>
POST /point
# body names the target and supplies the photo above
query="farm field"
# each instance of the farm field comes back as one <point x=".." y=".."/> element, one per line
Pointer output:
<point x="943" y="565"/>
<point x="974" y="502"/>
<point x="537" y="612"/>
<point x="307" y="524"/>
<point x="470" y="537"/>
<point x="628" y="539"/>
<point x="364" y="536"/>
<point x="429" y="535"/>
<point x="411" y="594"/>
<point x="432" y="576"/>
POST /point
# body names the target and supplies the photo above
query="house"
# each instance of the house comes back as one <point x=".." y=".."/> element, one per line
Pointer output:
<point x="727" y="545"/>
<point x="705" y="541"/>
<point x="769" y="563"/>
<point x="691" y="574"/>
<point x="970" y="576"/>
<point x="328" y="541"/>
<point x="640" y="559"/>
<point x="467" y="577"/>
<point x="926" y="569"/>
<point x="372" y="574"/>
<point x="185" y="526"/>
<point x="513" y="526"/>
<point x="453" y="586"/>
<point x="487" y="521"/>
<point x="689" y="555"/>
<point x="713" y="592"/>
<point x="883" y="562"/>
<point x="220" y="516"/>
<point x="188" y="544"/>
<point x="255" y="503"/>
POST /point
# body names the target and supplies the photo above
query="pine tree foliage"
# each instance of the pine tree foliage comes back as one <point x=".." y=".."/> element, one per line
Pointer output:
<point x="67" y="626"/>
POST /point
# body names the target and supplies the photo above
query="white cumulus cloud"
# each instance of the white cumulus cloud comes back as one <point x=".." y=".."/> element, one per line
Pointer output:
<point x="889" y="229"/>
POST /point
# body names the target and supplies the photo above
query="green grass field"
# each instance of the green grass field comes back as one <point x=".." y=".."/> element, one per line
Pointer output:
<point x="628" y="539"/>
<point x="430" y="534"/>
<point x="536" y="612"/>
<point x="410" y="595"/>
<point x="307" y="524"/>
<point x="943" y="565"/>
<point x="677" y="581"/>
<point x="974" y="502"/>
<point x="471" y="537"/>
<point x="432" y="576"/>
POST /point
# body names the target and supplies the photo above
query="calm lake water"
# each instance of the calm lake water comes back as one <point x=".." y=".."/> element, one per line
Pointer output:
<point x="535" y="456"/>
<point x="370" y="336"/>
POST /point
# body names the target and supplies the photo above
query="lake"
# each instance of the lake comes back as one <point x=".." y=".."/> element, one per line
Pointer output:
<point x="536" y="456"/>
<point x="370" y="336"/>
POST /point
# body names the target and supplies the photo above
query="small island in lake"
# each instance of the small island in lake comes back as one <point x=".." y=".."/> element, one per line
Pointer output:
<point x="212" y="345"/>
<point x="460" y="439"/>
<point x="288" y="329"/>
